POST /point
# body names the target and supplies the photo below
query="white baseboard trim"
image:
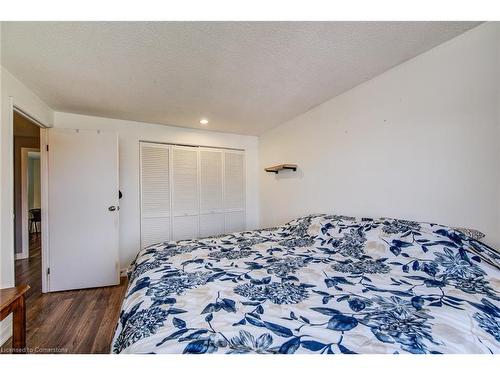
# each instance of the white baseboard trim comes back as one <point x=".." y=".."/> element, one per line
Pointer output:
<point x="5" y="329"/>
<point x="21" y="256"/>
<point x="123" y="272"/>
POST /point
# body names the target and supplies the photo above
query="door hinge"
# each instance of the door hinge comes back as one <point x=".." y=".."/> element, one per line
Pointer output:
<point x="48" y="271"/>
<point x="47" y="147"/>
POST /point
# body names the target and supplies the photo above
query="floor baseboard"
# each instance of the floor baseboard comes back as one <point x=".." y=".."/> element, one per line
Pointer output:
<point x="123" y="272"/>
<point x="21" y="256"/>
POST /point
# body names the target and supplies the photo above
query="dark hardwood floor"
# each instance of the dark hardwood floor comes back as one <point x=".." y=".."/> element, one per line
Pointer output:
<point x="77" y="321"/>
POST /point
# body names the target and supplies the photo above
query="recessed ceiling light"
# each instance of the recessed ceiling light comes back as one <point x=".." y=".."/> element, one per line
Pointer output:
<point x="203" y="121"/>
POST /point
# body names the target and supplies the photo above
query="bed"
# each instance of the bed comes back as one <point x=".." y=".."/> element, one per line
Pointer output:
<point x="319" y="284"/>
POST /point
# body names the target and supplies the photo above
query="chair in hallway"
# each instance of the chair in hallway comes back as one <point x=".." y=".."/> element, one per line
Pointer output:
<point x="35" y="218"/>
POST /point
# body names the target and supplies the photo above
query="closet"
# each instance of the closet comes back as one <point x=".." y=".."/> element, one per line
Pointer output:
<point x="190" y="192"/>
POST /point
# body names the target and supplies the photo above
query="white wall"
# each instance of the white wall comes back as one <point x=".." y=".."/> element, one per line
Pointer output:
<point x="421" y="141"/>
<point x="130" y="133"/>
<point x="34" y="188"/>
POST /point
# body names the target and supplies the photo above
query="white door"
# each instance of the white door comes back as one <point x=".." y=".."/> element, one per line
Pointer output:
<point x="83" y="209"/>
<point x="185" y="199"/>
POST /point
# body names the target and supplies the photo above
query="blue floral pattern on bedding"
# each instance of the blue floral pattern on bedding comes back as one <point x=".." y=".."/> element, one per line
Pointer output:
<point x="319" y="284"/>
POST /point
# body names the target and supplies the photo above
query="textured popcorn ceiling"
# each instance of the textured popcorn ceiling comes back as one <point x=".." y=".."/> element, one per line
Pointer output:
<point x="245" y="77"/>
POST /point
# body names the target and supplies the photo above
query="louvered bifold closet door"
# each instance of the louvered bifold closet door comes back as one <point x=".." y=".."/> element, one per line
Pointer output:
<point x="155" y="193"/>
<point x="211" y="197"/>
<point x="234" y="191"/>
<point x="185" y="196"/>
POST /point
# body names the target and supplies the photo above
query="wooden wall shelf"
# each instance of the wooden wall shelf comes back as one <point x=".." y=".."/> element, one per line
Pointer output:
<point x="277" y="168"/>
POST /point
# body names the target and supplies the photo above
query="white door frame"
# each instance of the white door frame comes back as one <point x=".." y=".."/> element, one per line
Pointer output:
<point x="44" y="203"/>
<point x="43" y="186"/>
<point x="24" y="203"/>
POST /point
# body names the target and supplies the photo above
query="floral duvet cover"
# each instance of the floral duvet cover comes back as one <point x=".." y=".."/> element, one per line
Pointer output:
<point x="319" y="284"/>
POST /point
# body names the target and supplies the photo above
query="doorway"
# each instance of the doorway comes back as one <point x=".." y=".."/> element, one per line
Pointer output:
<point x="27" y="203"/>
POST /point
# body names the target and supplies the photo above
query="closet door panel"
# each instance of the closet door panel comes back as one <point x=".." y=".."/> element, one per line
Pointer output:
<point x="155" y="193"/>
<point x="234" y="191"/>
<point x="185" y="181"/>
<point x="211" y="180"/>
<point x="155" y="180"/>
<point x="234" y="180"/>
<point x="185" y="227"/>
<point x="185" y="193"/>
<point x="211" y="224"/>
<point x="235" y="221"/>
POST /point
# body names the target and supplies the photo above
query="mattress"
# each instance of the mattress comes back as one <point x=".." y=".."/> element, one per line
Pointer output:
<point x="320" y="284"/>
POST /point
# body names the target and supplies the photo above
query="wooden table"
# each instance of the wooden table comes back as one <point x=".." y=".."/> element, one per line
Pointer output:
<point x="12" y="301"/>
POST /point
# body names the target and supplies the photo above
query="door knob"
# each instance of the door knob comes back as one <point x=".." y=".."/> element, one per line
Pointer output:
<point x="111" y="208"/>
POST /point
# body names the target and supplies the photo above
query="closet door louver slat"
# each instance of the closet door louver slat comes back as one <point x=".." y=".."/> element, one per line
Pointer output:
<point x="155" y="194"/>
